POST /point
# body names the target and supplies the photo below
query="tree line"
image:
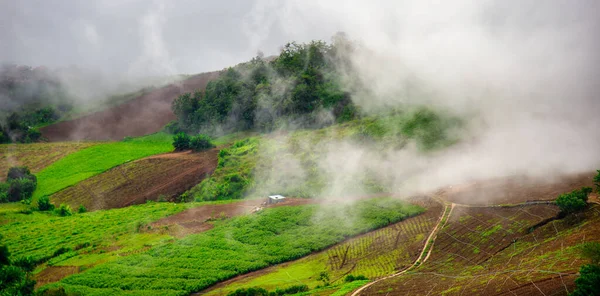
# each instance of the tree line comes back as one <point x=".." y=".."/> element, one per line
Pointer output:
<point x="300" y="88"/>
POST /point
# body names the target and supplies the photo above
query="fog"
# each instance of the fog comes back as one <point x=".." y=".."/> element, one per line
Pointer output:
<point x="525" y="73"/>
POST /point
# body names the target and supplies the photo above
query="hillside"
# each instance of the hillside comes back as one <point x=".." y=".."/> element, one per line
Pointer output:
<point x="140" y="116"/>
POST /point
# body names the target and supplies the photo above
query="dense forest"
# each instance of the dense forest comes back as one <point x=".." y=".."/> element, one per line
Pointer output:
<point x="301" y="87"/>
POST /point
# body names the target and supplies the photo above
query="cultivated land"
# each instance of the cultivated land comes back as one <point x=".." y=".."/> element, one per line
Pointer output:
<point x="160" y="177"/>
<point x="137" y="117"/>
<point x="36" y="156"/>
<point x="235" y="246"/>
<point x="485" y="251"/>
<point x="96" y="159"/>
<point x="374" y="255"/>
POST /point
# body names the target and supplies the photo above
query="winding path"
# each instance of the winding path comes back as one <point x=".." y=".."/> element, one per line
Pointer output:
<point x="427" y="248"/>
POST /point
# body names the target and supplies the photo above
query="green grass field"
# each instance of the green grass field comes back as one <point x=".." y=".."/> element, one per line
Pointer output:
<point x="97" y="159"/>
<point x="374" y="255"/>
<point x="236" y="246"/>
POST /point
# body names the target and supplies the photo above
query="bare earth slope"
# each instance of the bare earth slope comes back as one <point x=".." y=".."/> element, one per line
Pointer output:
<point x="166" y="175"/>
<point x="141" y="116"/>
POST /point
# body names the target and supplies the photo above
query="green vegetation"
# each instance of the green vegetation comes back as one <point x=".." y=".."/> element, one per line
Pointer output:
<point x="182" y="141"/>
<point x="44" y="204"/>
<point x="233" y="174"/>
<point x="19" y="186"/>
<point x="296" y="87"/>
<point x="97" y="159"/>
<point x="14" y="279"/>
<point x="587" y="282"/>
<point x="291" y="290"/>
<point x="236" y="246"/>
<point x="574" y="201"/>
<point x="82" y="239"/>
<point x="374" y="255"/>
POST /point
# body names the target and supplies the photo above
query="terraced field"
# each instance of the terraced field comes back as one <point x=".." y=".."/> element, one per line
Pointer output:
<point x="374" y="255"/>
<point x="36" y="156"/>
<point x="163" y="176"/>
<point x="497" y="251"/>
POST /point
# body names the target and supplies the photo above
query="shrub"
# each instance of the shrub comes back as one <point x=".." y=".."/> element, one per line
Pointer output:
<point x="20" y="173"/>
<point x="20" y="189"/>
<point x="181" y="141"/>
<point x="81" y="209"/>
<point x="573" y="201"/>
<point x="249" y="292"/>
<point x="201" y="142"/>
<point x="4" y="192"/>
<point x="587" y="282"/>
<point x="64" y="210"/>
<point x="350" y="278"/>
<point x="291" y="290"/>
<point x="44" y="204"/>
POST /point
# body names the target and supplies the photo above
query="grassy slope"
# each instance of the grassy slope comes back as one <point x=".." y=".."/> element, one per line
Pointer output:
<point x="376" y="254"/>
<point x="236" y="246"/>
<point x="97" y="159"/>
<point x="89" y="238"/>
<point x="36" y="156"/>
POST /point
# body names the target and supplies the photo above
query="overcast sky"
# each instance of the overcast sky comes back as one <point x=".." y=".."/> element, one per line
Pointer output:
<point x="183" y="36"/>
<point x="191" y="36"/>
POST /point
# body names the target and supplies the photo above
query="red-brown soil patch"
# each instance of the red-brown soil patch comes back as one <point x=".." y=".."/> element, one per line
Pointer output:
<point x="515" y="189"/>
<point x="52" y="274"/>
<point x="146" y="114"/>
<point x="163" y="176"/>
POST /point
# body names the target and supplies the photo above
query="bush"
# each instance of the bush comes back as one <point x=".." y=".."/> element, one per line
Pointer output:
<point x="181" y="141"/>
<point x="20" y="173"/>
<point x="20" y="189"/>
<point x="64" y="210"/>
<point x="81" y="209"/>
<point x="291" y="290"/>
<point x="201" y="142"/>
<point x="587" y="282"/>
<point x="591" y="251"/>
<point x="4" y="192"/>
<point x="350" y="278"/>
<point x="573" y="201"/>
<point x="44" y="204"/>
<point x="249" y="292"/>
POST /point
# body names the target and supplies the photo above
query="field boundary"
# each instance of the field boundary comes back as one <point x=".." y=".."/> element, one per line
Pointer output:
<point x="427" y="247"/>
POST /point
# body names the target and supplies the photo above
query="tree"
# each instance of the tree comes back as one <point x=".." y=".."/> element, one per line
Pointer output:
<point x="573" y="201"/>
<point x="587" y="282"/>
<point x="20" y="172"/>
<point x="181" y="141"/>
<point x="81" y="209"/>
<point x="44" y="204"/>
<point x="201" y="142"/>
<point x="20" y="189"/>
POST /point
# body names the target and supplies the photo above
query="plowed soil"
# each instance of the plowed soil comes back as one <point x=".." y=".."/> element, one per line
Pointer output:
<point x="515" y="189"/>
<point x="146" y="114"/>
<point x="163" y="176"/>
<point x="494" y="252"/>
